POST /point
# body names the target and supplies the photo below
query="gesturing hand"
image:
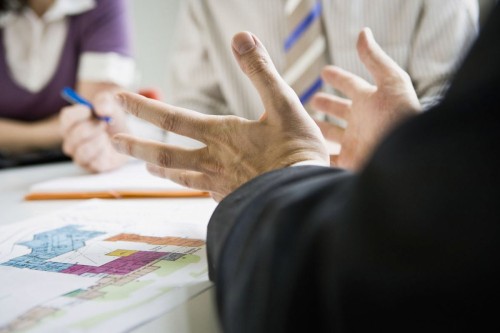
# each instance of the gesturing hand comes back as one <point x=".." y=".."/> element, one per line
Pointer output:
<point x="237" y="149"/>
<point x="370" y="110"/>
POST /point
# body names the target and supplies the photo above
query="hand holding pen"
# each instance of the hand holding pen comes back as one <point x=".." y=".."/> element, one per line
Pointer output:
<point x="72" y="97"/>
<point x="86" y="140"/>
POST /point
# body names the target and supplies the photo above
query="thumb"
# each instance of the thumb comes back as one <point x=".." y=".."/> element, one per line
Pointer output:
<point x="255" y="62"/>
<point x="378" y="63"/>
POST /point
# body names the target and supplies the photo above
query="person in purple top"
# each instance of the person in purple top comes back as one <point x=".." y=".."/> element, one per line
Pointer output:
<point x="46" y="45"/>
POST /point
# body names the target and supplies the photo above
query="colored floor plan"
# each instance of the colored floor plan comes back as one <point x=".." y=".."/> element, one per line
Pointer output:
<point x="51" y="244"/>
<point x="119" y="273"/>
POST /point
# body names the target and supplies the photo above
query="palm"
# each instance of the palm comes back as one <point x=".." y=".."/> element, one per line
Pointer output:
<point x="370" y="111"/>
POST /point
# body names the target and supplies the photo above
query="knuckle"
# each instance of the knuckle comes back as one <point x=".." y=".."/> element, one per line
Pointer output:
<point x="67" y="148"/>
<point x="206" y="161"/>
<point x="97" y="160"/>
<point x="123" y="145"/>
<point x="184" y="179"/>
<point x="168" y="123"/>
<point x="164" y="159"/>
<point x="67" y="118"/>
<point x="134" y="107"/>
<point x="128" y="147"/>
<point x="218" y="168"/>
<point x="94" y="166"/>
<point x="405" y="76"/>
<point x="80" y="161"/>
<point x="64" y="115"/>
<point x="257" y="64"/>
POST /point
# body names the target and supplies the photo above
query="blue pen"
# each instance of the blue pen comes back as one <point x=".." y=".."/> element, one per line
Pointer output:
<point x="72" y="97"/>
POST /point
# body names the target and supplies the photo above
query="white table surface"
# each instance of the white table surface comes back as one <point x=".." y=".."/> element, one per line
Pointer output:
<point x="196" y="315"/>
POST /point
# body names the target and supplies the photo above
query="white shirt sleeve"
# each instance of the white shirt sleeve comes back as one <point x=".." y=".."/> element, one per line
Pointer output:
<point x="316" y="163"/>
<point x="106" y="67"/>
<point x="446" y="31"/>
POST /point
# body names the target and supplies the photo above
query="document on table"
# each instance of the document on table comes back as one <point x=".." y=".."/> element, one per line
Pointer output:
<point x="130" y="181"/>
<point x="103" y="266"/>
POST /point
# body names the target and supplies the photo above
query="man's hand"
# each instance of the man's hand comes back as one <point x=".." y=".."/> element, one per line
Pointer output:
<point x="237" y="149"/>
<point x="87" y="140"/>
<point x="370" y="110"/>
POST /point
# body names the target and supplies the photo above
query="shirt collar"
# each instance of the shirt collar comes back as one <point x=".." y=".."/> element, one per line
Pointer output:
<point x="59" y="10"/>
<point x="5" y="18"/>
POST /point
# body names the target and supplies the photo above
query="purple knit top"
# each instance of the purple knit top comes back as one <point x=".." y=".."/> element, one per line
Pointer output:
<point x="102" y="29"/>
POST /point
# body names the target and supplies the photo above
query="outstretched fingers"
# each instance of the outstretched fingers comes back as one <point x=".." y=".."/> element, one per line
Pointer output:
<point x="378" y="63"/>
<point x="190" y="179"/>
<point x="256" y="63"/>
<point x="331" y="104"/>
<point x="161" y="154"/>
<point x="171" y="118"/>
<point x="330" y="131"/>
<point x="345" y="82"/>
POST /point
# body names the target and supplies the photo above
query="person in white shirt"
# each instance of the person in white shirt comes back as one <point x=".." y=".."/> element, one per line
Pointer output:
<point x="427" y="38"/>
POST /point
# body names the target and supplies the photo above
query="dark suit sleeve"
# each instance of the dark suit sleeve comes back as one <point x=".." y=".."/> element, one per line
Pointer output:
<point x="411" y="243"/>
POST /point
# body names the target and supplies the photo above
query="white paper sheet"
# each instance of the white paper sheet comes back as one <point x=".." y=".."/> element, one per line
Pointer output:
<point x="131" y="177"/>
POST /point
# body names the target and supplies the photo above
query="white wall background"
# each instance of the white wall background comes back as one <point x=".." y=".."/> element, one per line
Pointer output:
<point x="154" y="24"/>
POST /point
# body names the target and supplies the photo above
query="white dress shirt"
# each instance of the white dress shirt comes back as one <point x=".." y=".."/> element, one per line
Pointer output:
<point x="427" y="38"/>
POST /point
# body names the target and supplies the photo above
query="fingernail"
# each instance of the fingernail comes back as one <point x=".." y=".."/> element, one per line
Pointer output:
<point x="243" y="43"/>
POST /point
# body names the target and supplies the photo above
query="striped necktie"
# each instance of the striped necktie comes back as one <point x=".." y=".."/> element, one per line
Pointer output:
<point x="305" y="48"/>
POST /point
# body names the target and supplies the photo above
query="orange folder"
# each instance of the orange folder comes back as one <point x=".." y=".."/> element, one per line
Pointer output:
<point x="114" y="195"/>
<point x="131" y="181"/>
